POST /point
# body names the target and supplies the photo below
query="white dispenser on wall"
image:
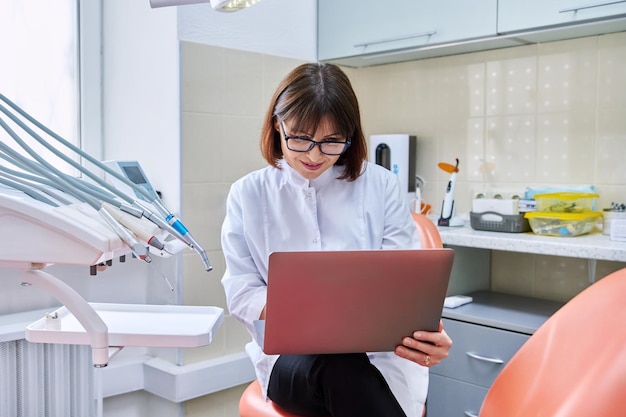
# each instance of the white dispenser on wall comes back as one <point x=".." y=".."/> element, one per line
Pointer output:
<point x="397" y="153"/>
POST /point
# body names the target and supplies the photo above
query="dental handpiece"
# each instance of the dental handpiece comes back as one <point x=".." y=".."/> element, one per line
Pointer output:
<point x="189" y="239"/>
<point x="139" y="250"/>
<point x="139" y="226"/>
<point x="186" y="235"/>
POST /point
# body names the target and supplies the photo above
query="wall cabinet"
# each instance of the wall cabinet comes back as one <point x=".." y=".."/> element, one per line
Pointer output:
<point x="357" y="33"/>
<point x="353" y="28"/>
<point x="515" y="15"/>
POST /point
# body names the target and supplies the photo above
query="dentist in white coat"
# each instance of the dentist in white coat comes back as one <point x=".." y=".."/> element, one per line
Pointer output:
<point x="320" y="193"/>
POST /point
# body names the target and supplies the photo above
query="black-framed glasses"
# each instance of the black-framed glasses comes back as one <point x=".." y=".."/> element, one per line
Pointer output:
<point x="302" y="144"/>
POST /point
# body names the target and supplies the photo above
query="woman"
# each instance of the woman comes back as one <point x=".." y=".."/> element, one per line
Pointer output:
<point x="319" y="193"/>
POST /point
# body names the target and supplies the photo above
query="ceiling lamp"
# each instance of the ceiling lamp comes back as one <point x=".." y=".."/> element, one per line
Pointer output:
<point x="220" y="5"/>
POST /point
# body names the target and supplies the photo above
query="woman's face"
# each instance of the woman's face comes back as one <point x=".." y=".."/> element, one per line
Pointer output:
<point x="313" y="163"/>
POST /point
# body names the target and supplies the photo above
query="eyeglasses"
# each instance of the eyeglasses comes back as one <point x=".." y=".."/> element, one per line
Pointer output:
<point x="302" y="144"/>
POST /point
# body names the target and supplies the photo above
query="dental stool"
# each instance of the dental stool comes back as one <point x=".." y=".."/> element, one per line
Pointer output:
<point x="252" y="403"/>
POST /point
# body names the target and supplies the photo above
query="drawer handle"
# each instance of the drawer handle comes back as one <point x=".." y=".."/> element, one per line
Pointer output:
<point x="419" y="35"/>
<point x="590" y="6"/>
<point x="470" y="414"/>
<point x="484" y="358"/>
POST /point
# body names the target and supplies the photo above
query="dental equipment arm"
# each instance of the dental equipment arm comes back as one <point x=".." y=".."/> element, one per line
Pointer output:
<point x="174" y="225"/>
<point x="90" y="320"/>
<point x="9" y="182"/>
<point x="138" y="249"/>
<point x="41" y="184"/>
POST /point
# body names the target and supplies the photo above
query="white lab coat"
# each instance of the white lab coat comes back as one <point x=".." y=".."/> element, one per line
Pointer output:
<point x="278" y="210"/>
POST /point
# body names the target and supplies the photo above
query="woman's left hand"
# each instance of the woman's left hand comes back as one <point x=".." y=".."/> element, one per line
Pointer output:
<point x="425" y="348"/>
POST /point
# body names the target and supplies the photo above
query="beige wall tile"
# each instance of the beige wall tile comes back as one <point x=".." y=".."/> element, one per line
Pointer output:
<point x="565" y="148"/>
<point x="240" y="153"/>
<point x="510" y="149"/>
<point x="202" y="288"/>
<point x="461" y="137"/>
<point x="236" y="335"/>
<point x="460" y="83"/>
<point x="611" y="71"/>
<point x="202" y="73"/>
<point x="202" y="156"/>
<point x="511" y="273"/>
<point x="511" y="80"/>
<point x="243" y="89"/>
<point x="567" y="75"/>
<point x="204" y="208"/>
<point x="558" y="278"/>
<point x="611" y="146"/>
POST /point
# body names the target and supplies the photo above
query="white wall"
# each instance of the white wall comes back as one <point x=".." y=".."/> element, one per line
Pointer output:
<point x="286" y="28"/>
<point x="141" y="121"/>
<point x="141" y="103"/>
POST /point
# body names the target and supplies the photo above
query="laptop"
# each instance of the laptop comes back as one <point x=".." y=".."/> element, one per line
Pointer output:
<point x="352" y="301"/>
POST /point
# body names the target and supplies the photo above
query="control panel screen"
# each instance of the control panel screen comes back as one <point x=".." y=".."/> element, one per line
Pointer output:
<point x="134" y="174"/>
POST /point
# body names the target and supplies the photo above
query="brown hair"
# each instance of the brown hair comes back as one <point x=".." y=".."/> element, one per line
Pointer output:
<point x="307" y="94"/>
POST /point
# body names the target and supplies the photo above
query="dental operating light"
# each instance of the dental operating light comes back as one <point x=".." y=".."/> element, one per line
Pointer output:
<point x="219" y="5"/>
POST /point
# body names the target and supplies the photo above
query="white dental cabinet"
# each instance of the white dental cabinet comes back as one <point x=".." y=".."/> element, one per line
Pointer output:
<point x="488" y="331"/>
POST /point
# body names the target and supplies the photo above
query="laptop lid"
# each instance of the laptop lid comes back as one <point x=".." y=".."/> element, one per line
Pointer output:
<point x="352" y="301"/>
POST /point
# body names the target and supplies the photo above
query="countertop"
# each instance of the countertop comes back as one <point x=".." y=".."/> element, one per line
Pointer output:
<point x="590" y="246"/>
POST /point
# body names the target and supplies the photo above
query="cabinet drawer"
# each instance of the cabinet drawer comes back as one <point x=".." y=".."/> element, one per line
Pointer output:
<point x="478" y="353"/>
<point x="448" y="397"/>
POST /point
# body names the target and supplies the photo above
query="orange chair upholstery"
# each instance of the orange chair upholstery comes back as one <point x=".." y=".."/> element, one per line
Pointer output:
<point x="574" y="365"/>
<point x="252" y="403"/>
<point x="427" y="231"/>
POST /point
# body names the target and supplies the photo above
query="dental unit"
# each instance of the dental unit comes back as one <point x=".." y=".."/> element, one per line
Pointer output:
<point x="49" y="217"/>
<point x="168" y="222"/>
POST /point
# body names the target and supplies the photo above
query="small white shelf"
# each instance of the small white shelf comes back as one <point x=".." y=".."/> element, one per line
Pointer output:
<point x="135" y="325"/>
<point x="594" y="246"/>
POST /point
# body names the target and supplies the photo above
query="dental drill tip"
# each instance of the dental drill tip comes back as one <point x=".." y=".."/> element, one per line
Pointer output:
<point x="141" y="252"/>
<point x="155" y="242"/>
<point x="205" y="260"/>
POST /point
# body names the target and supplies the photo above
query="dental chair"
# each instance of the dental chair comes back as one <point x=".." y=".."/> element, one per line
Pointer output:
<point x="427" y="232"/>
<point x="575" y="363"/>
<point x="252" y="403"/>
